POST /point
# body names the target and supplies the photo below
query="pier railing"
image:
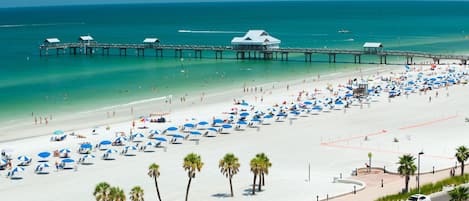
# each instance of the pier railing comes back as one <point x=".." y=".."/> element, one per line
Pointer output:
<point x="88" y="48"/>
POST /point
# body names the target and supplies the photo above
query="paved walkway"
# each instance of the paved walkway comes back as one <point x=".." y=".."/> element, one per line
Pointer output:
<point x="391" y="184"/>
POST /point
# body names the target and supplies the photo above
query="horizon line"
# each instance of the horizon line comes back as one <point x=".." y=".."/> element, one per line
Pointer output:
<point x="220" y="2"/>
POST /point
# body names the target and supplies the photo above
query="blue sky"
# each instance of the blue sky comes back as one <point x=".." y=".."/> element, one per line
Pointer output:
<point x="23" y="3"/>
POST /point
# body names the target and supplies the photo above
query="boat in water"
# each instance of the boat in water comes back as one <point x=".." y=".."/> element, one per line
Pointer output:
<point x="344" y="31"/>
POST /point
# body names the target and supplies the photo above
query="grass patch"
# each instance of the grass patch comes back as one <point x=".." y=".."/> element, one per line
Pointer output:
<point x="427" y="189"/>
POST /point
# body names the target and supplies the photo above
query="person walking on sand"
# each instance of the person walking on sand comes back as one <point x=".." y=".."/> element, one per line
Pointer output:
<point x="35" y="120"/>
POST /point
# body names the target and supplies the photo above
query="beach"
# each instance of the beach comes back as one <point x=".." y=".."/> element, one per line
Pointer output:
<point x="332" y="143"/>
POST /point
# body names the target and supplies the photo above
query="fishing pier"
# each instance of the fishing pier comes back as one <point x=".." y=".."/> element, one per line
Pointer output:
<point x="264" y="47"/>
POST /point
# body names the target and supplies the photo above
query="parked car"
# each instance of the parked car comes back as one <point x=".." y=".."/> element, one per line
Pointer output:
<point x="419" y="197"/>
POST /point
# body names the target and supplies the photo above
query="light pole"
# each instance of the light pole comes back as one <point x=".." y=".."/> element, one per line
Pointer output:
<point x="418" y="172"/>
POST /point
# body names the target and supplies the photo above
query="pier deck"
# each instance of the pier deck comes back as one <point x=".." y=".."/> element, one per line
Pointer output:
<point x="269" y="54"/>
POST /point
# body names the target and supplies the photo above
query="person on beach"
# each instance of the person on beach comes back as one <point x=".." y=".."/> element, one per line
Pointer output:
<point x="35" y="120"/>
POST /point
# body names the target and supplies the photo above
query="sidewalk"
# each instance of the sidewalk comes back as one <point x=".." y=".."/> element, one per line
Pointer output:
<point x="391" y="184"/>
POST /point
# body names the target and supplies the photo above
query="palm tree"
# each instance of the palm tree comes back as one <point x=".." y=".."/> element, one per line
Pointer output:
<point x="116" y="194"/>
<point x="462" y="154"/>
<point x="229" y="166"/>
<point x="136" y="194"/>
<point x="266" y="164"/>
<point x="101" y="191"/>
<point x="459" y="194"/>
<point x="192" y="163"/>
<point x="406" y="168"/>
<point x="256" y="165"/>
<point x="154" y="172"/>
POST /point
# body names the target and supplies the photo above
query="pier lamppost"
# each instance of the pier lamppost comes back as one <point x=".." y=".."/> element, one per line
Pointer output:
<point x="418" y="172"/>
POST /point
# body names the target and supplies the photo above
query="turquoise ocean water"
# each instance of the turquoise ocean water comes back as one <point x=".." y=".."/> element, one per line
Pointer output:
<point x="29" y="83"/>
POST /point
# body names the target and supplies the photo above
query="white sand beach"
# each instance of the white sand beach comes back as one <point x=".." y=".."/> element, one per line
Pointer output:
<point x="333" y="143"/>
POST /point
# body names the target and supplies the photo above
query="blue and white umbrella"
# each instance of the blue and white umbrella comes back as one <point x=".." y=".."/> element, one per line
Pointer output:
<point x="17" y="169"/>
<point x="138" y="135"/>
<point x="308" y="103"/>
<point x="105" y="142"/>
<point x="68" y="160"/>
<point x="42" y="165"/>
<point x="24" y="158"/>
<point x="88" y="156"/>
<point x="65" y="151"/>
<point x="317" y="107"/>
<point x="130" y="148"/>
<point x="244" y="104"/>
<point x="268" y="117"/>
<point x="86" y="146"/>
<point x="151" y="143"/>
<point x="226" y="126"/>
<point x="189" y="125"/>
<point x="178" y="136"/>
<point x="203" y="123"/>
<point x="244" y="114"/>
<point x="348" y="95"/>
<point x="172" y="128"/>
<point x="195" y="133"/>
<point x="242" y="123"/>
<point x="59" y="132"/>
<point x="212" y="129"/>
<point x="44" y="154"/>
<point x="3" y="162"/>
<point x="339" y="102"/>
<point x="120" y="139"/>
<point x="161" y="139"/>
<point x="155" y="132"/>
<point x="218" y="121"/>
<point x="110" y="151"/>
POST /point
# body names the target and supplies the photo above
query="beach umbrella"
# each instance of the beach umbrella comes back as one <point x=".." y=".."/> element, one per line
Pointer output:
<point x="172" y="128"/>
<point x="189" y="125"/>
<point x="23" y="158"/>
<point x="411" y="82"/>
<point x="105" y="142"/>
<point x="130" y="148"/>
<point x="408" y="89"/>
<point x="138" y="135"/>
<point x="295" y="112"/>
<point x="110" y="151"/>
<point x="151" y="143"/>
<point x="244" y="104"/>
<point x="281" y="114"/>
<point x="244" y="114"/>
<point x="348" y="95"/>
<point x="86" y="146"/>
<point x="65" y="151"/>
<point x="42" y="165"/>
<point x="203" y="123"/>
<point x="87" y="156"/>
<point x="256" y="120"/>
<point x="155" y="132"/>
<point x="120" y="139"/>
<point x="317" y="107"/>
<point x="68" y="160"/>
<point x="3" y="162"/>
<point x="226" y="126"/>
<point x="268" y="117"/>
<point x="17" y="169"/>
<point x="59" y="132"/>
<point x="212" y="129"/>
<point x="178" y="136"/>
<point x="241" y="122"/>
<point x="44" y="154"/>
<point x="307" y="103"/>
<point x="161" y="139"/>
<point x="195" y="133"/>
<point x="339" y="102"/>
<point x="218" y="121"/>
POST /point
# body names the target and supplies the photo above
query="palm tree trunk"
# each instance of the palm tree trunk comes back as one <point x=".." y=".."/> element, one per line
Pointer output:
<point x="231" y="187"/>
<point x="260" y="182"/>
<point x="157" y="189"/>
<point x="254" y="184"/>
<point x="263" y="180"/>
<point x="188" y="186"/>
<point x="462" y="168"/>
<point x="407" y="178"/>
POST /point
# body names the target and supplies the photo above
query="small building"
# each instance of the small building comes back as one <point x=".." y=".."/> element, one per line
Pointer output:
<point x="151" y="41"/>
<point x="372" y="47"/>
<point x="86" y="39"/>
<point x="51" y="41"/>
<point x="255" y="40"/>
